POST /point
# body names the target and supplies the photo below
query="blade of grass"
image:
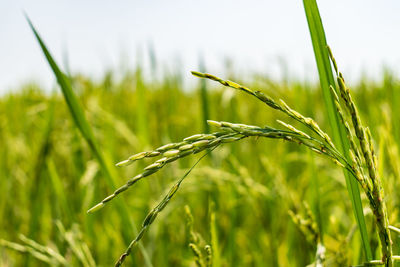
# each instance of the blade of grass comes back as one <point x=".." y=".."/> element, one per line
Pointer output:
<point x="326" y="79"/>
<point x="86" y="131"/>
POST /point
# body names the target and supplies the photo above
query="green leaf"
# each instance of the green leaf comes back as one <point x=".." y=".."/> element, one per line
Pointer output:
<point x="81" y="122"/>
<point x="339" y="135"/>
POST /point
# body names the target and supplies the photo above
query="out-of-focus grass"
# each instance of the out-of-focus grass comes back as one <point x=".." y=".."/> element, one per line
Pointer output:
<point x="85" y="129"/>
<point x="48" y="173"/>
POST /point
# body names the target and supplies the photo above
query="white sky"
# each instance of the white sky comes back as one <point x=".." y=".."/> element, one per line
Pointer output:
<point x="101" y="35"/>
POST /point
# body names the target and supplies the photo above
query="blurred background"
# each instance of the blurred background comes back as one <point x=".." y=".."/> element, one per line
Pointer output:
<point x="268" y="37"/>
<point x="129" y="64"/>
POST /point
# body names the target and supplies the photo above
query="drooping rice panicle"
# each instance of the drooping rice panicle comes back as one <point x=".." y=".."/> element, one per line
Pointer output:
<point x="375" y="195"/>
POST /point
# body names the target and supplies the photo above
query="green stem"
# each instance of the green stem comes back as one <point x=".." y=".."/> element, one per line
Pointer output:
<point x="326" y="79"/>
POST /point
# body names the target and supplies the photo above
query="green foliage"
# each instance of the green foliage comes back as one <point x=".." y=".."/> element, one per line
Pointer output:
<point x="260" y="179"/>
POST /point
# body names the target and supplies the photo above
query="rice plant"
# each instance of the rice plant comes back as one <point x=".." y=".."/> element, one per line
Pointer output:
<point x="341" y="137"/>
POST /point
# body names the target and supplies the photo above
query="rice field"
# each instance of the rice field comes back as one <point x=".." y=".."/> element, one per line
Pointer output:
<point x="244" y="189"/>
